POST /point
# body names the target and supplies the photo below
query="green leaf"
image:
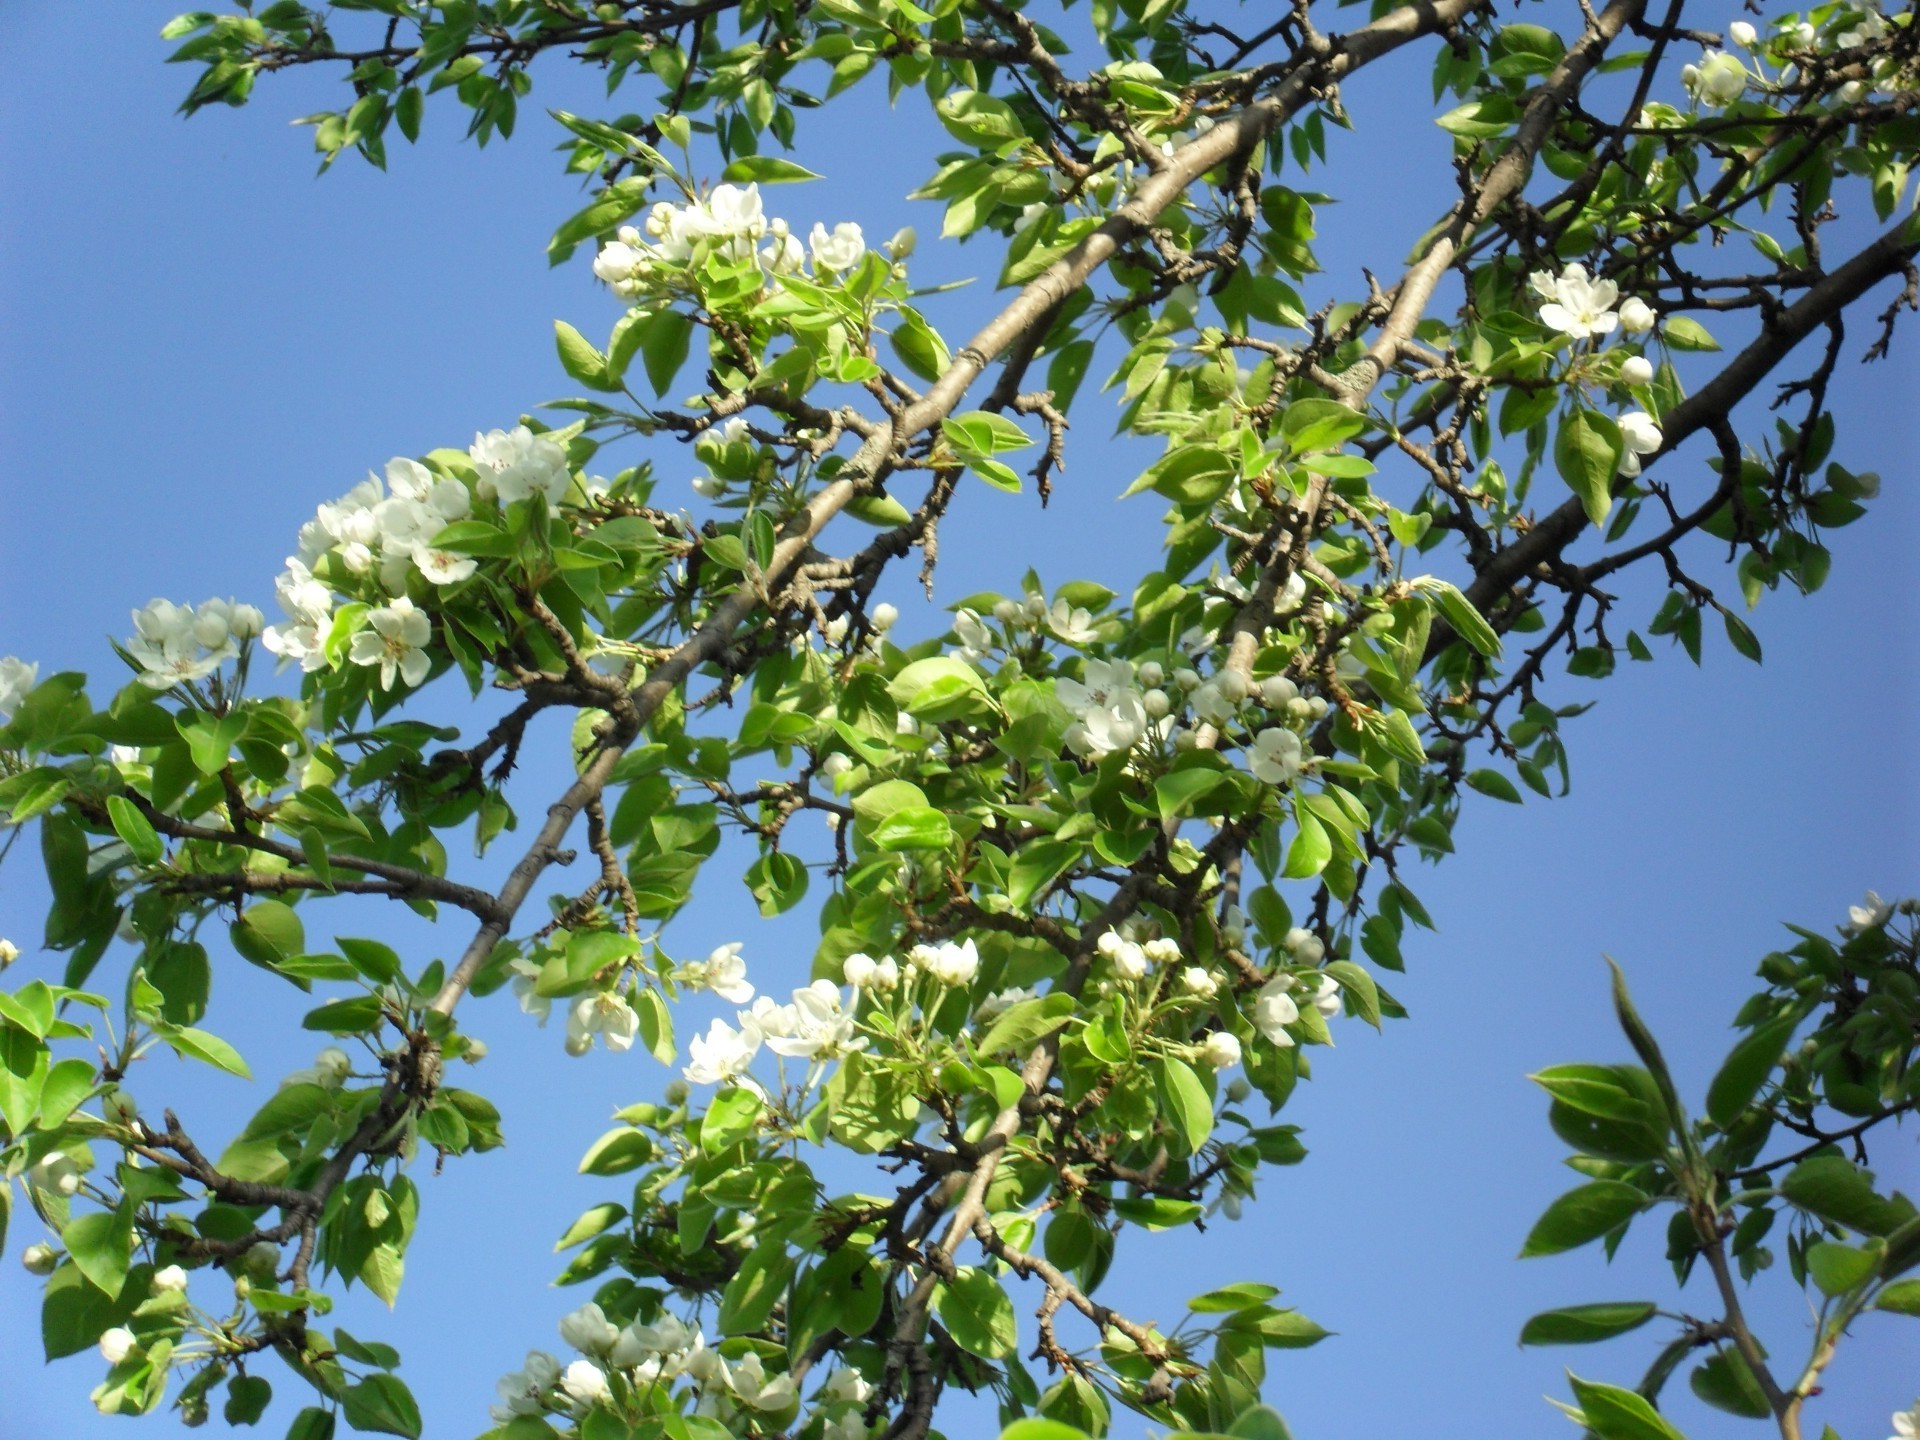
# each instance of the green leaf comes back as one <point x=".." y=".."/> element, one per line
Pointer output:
<point x="581" y="358"/>
<point x="664" y="346"/>
<point x="1259" y="1422"/>
<point x="1310" y="425"/>
<point x="1582" y="1215"/>
<point x="729" y="1119"/>
<point x="1468" y="623"/>
<point x="1481" y="119"/>
<point x="101" y="1244"/>
<point x="382" y="1403"/>
<point x="1022" y="1024"/>
<point x="1188" y="1104"/>
<point x="1835" y="1189"/>
<point x="200" y="1045"/>
<point x="1584" y="1324"/>
<point x="1492" y="782"/>
<point x="1362" y="995"/>
<point x="757" y="1286"/>
<point x="1230" y="1299"/>
<point x="617" y="1151"/>
<point x="1838" y="1268"/>
<point x="211" y="738"/>
<point x="594" y="1221"/>
<point x="67" y="1084"/>
<point x="766" y="170"/>
<point x="134" y="828"/>
<point x="1040" y="1429"/>
<point x="1616" y="1414"/>
<point x="914" y="827"/>
<point x="978" y="1314"/>
<point x="268" y="933"/>
<point x="1726" y="1382"/>
<point x="247" y="1397"/>
<point x="1586" y="452"/>
<point x="1902" y="1298"/>
<point x="1746" y="1069"/>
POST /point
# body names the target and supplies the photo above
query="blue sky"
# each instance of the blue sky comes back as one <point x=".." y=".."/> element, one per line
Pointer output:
<point x="202" y="341"/>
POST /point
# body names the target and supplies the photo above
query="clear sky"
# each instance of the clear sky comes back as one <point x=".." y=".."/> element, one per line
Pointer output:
<point x="199" y="341"/>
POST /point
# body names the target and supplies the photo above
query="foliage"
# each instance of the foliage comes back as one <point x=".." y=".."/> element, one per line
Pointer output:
<point x="1087" y="852"/>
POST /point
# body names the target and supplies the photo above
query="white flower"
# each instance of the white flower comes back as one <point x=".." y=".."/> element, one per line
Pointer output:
<point x="1129" y="960"/>
<point x="784" y="255"/>
<point x="167" y="643"/>
<point x="1163" y="951"/>
<point x="1742" y="34"/>
<point x="1637" y="317"/>
<point x="605" y="1013"/>
<point x="884" y="616"/>
<point x="526" y="973"/>
<point x="1274" y="1010"/>
<point x="1718" y="79"/>
<point x="1639" y="436"/>
<point x="56" y="1172"/>
<point x="1221" y="1051"/>
<point x="1001" y="1001"/>
<point x="521" y="1391"/>
<point x="9" y="952"/>
<point x="720" y="1055"/>
<point x="1578" y="306"/>
<point x="40" y="1259"/>
<point x="1277" y="756"/>
<point x="903" y="242"/>
<point x="1906" y="1425"/>
<point x="621" y="265"/>
<point x="1071" y="624"/>
<point x="709" y="487"/>
<point x="588" y="1330"/>
<point x="1305" y="946"/>
<point x="758" y="1390"/>
<point x="838" y="251"/>
<point x="767" y="1019"/>
<point x="1636" y="370"/>
<point x="395" y="640"/>
<point x="845" y="1387"/>
<point x="1199" y="983"/>
<point x="117" y="1344"/>
<point x="860" y="970"/>
<point x="443" y="567"/>
<point x="516" y="463"/>
<point x="16" y="680"/>
<point x="309" y="607"/>
<point x="1326" y="998"/>
<point x="723" y="972"/>
<point x="823" y="1028"/>
<point x="330" y="1070"/>
<point x="669" y="1335"/>
<point x="585" y="1384"/>
<point x="951" y="963"/>
<point x="974" y="637"/>
<point x="169" y="1279"/>
<point x="1276" y="691"/>
<point x="1870" y="915"/>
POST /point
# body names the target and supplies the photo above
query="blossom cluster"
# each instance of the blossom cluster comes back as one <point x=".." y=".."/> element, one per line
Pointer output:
<point x="735" y="1389"/>
<point x="731" y="223"/>
<point x="177" y="644"/>
<point x="817" y="1026"/>
<point x="1575" y="304"/>
<point x="1720" y="77"/>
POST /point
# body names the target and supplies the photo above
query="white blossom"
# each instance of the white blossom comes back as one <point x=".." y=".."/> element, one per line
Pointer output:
<point x="55" y="1172"/>
<point x="1742" y="34"/>
<point x="522" y="1391"/>
<point x="1002" y="1001"/>
<point x="1576" y="305"/>
<point x="1162" y="951"/>
<point x="526" y="974"/>
<point x="1906" y="1425"/>
<point x="723" y="972"/>
<point x="757" y="1389"/>
<point x="860" y="970"/>
<point x="588" y="1330"/>
<point x="1277" y="756"/>
<point x="585" y="1384"/>
<point x="845" y="1387"/>
<point x="444" y="567"/>
<point x="169" y="1280"/>
<point x="823" y="1027"/>
<point x="1637" y="317"/>
<point x="329" y="1070"/>
<point x="40" y="1259"/>
<point x="1717" y="79"/>
<point x="1639" y="435"/>
<point x="167" y="645"/>
<point x="838" y="250"/>
<point x="17" y="679"/>
<point x="719" y="1055"/>
<point x="1636" y="370"/>
<point x="1871" y="914"/>
<point x="1304" y="945"/>
<point x="1221" y="1051"/>
<point x="1199" y="983"/>
<point x="308" y="604"/>
<point x="884" y="617"/>
<point x="517" y="463"/>
<point x="395" y="640"/>
<point x="605" y="1013"/>
<point x="767" y="1019"/>
<point x="117" y="1344"/>
<point x="1326" y="997"/>
<point x="1070" y="623"/>
<point x="1274" y="1010"/>
<point x="976" y="640"/>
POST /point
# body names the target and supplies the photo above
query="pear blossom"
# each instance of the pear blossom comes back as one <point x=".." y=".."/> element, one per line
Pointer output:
<point x="1070" y="623"/>
<point x="1277" y="756"/>
<point x="1326" y="997"/>
<point x="308" y="604"/>
<point x="884" y="617"/>
<point x="1717" y="79"/>
<point x="395" y="640"/>
<point x="949" y="963"/>
<point x="1874" y="913"/>
<point x="329" y="1070"/>
<point x="522" y="1391"/>
<point x="860" y="970"/>
<point x="605" y="1013"/>
<point x="1574" y="304"/>
<point x="1199" y="983"/>
<point x="839" y="250"/>
<point x="1001" y="1001"/>
<point x="17" y="679"/>
<point x="709" y="487"/>
<point x="669" y="1335"/>
<point x="1637" y="317"/>
<point x="40" y="1259"/>
<point x="586" y="1385"/>
<point x="720" y="1055"/>
<point x="167" y="645"/>
<point x="1304" y="945"/>
<point x="525" y="975"/>
<point x="1639" y="435"/>
<point x="1277" y="691"/>
<point x="117" y="1344"/>
<point x="1742" y="34"/>
<point x="443" y="567"/>
<point x="823" y="1026"/>
<point x="723" y="972"/>
<point x="1162" y="951"/>
<point x="757" y="1389"/>
<point x="974" y="637"/>
<point x="169" y="1280"/>
<point x="1221" y="1050"/>
<point x="767" y="1019"/>
<point x="588" y="1330"/>
<point x="1274" y="1010"/>
<point x="1636" y="370"/>
<point x="55" y="1172"/>
<point x="845" y="1387"/>
<point x="515" y="464"/>
<point x="1906" y="1425"/>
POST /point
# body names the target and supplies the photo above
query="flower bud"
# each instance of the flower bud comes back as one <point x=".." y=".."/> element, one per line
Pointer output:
<point x="1636" y="316"/>
<point x="1221" y="1051"/>
<point x="710" y="487"/>
<point x="835" y="764"/>
<point x="1742" y="34"/>
<point x="883" y="617"/>
<point x="903" y="242"/>
<point x="1277" y="691"/>
<point x="1007" y="611"/>
<point x="262" y="1259"/>
<point x="1150" y="674"/>
<point x="170" y="1279"/>
<point x="1636" y="370"/>
<point x="1187" y="679"/>
<point x="9" y="952"/>
<point x="117" y="1344"/>
<point x="1233" y="685"/>
<point x="475" y="1052"/>
<point x="40" y="1259"/>
<point x="1155" y="703"/>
